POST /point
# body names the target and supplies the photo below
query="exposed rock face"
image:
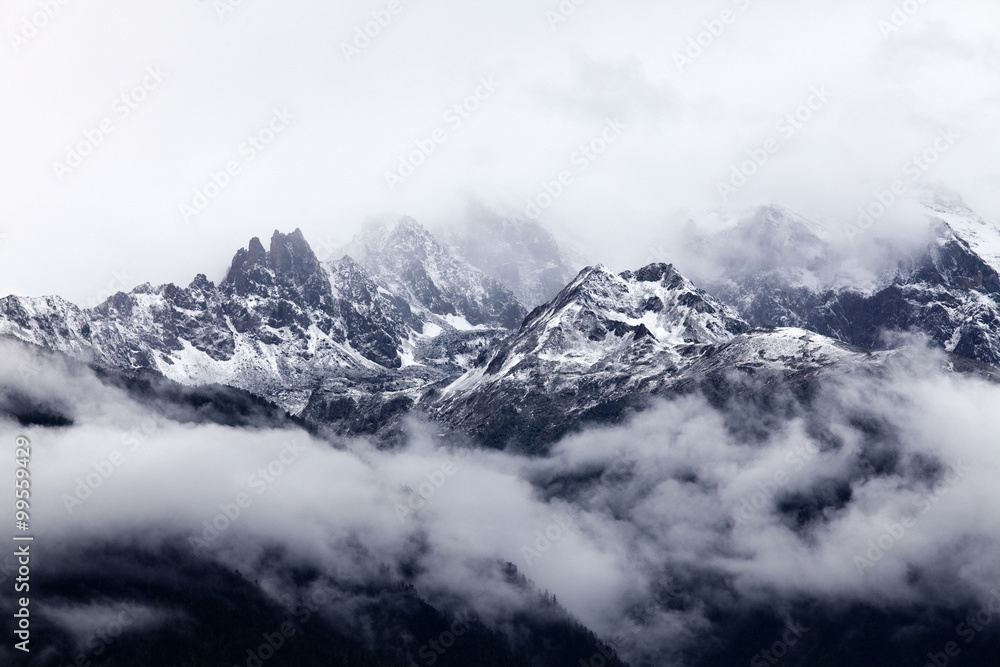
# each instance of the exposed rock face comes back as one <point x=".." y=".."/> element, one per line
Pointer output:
<point x="777" y="270"/>
<point x="281" y="323"/>
<point x="405" y="258"/>
<point x="518" y="252"/>
<point x="607" y="343"/>
<point x="401" y="323"/>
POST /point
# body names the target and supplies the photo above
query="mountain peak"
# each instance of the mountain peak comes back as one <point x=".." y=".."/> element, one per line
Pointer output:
<point x="601" y="314"/>
<point x="515" y="250"/>
<point x="291" y="255"/>
<point x="779" y="226"/>
<point x="387" y="234"/>
<point x="407" y="260"/>
<point x="249" y="266"/>
<point x="982" y="237"/>
<point x="256" y="253"/>
<point x="603" y="338"/>
<point x="659" y="272"/>
<point x="202" y="283"/>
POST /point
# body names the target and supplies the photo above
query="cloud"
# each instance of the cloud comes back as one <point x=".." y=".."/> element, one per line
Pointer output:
<point x="880" y="492"/>
<point x="557" y="86"/>
<point x="98" y="621"/>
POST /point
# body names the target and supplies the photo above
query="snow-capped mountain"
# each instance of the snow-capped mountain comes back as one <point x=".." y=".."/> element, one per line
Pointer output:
<point x="609" y="341"/>
<point x="281" y="323"/>
<point x="518" y="252"/>
<point x="404" y="257"/>
<point x="269" y="327"/>
<point x="400" y="324"/>
<point x="778" y="269"/>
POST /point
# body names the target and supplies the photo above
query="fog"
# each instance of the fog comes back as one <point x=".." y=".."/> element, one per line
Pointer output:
<point x="883" y="493"/>
<point x="840" y="96"/>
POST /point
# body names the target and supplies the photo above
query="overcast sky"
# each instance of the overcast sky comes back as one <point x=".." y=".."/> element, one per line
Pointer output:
<point x="675" y="122"/>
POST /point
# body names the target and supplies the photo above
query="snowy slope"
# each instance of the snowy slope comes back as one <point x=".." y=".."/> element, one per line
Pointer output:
<point x="404" y="324"/>
<point x="408" y="262"/>
<point x="518" y="252"/>
<point x="604" y="338"/>
<point x="777" y="271"/>
<point x="982" y="236"/>
<point x="278" y="326"/>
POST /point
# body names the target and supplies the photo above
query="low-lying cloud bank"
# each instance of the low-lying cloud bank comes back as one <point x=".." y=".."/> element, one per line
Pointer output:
<point x="882" y="493"/>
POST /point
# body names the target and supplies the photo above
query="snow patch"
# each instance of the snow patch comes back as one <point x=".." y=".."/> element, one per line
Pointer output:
<point x="460" y="323"/>
<point x="406" y="359"/>
<point x="431" y="330"/>
<point x="982" y="237"/>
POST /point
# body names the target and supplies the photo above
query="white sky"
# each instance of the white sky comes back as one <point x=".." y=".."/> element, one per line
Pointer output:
<point x="685" y="131"/>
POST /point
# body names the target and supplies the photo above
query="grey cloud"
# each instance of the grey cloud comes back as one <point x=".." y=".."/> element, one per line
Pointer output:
<point x="650" y="525"/>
